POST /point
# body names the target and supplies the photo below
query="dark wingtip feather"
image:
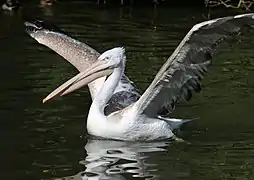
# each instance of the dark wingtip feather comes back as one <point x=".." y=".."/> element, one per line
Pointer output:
<point x="32" y="26"/>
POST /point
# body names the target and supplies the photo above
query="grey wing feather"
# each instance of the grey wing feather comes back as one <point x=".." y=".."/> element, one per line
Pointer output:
<point x="120" y="100"/>
<point x="183" y="71"/>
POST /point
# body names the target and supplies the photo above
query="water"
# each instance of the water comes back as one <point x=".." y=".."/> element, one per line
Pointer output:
<point x="49" y="141"/>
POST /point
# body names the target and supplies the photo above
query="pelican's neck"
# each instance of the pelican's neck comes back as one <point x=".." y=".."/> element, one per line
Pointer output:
<point x="108" y="89"/>
<point x="95" y="86"/>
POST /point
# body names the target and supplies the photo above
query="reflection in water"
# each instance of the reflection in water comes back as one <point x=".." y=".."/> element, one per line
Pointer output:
<point x="108" y="159"/>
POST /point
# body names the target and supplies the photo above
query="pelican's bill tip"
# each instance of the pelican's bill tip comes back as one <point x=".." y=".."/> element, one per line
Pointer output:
<point x="44" y="100"/>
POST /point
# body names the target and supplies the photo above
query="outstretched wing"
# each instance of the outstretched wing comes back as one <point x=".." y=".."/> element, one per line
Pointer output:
<point x="80" y="56"/>
<point x="183" y="71"/>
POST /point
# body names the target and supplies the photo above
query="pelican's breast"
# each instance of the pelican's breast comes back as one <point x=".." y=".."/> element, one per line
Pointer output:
<point x="110" y="126"/>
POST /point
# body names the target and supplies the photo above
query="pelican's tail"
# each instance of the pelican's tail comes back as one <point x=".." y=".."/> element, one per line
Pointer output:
<point x="175" y="123"/>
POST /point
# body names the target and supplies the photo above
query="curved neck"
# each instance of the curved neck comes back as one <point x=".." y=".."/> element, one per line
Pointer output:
<point x="107" y="89"/>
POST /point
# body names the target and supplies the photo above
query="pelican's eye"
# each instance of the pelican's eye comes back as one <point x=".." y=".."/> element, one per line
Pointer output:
<point x="106" y="58"/>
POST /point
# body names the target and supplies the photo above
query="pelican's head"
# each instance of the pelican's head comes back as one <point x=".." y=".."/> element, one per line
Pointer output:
<point x="115" y="56"/>
<point x="105" y="65"/>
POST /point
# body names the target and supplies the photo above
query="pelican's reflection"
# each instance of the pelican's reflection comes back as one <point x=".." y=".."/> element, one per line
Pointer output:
<point x="116" y="160"/>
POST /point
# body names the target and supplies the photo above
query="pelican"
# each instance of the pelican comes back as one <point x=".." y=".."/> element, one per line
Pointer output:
<point x="180" y="75"/>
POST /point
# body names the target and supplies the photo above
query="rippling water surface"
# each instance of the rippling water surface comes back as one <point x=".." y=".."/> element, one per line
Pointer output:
<point x="49" y="141"/>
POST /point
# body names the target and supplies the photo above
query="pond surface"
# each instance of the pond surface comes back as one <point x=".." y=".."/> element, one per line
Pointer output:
<point x="49" y="141"/>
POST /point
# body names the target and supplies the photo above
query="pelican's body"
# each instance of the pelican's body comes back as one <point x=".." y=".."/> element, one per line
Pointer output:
<point x="125" y="124"/>
<point x="178" y="77"/>
<point x="128" y="127"/>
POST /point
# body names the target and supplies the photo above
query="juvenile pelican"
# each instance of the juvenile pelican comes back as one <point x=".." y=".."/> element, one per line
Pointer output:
<point x="179" y="76"/>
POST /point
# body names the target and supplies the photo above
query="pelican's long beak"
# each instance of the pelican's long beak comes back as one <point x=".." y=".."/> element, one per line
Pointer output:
<point x="97" y="70"/>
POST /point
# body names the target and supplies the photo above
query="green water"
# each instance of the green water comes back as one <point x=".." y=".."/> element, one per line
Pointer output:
<point x="49" y="141"/>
